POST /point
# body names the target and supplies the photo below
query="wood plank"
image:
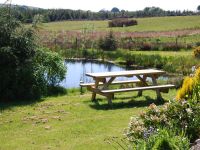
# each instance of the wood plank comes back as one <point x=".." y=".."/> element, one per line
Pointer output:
<point x="126" y="73"/>
<point x="113" y="83"/>
<point x="143" y="83"/>
<point x="98" y="91"/>
<point x="143" y="80"/>
<point x="105" y="86"/>
<point x="139" y="88"/>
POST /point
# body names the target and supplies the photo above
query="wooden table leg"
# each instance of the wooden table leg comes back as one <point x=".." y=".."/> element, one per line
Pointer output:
<point x="108" y="83"/>
<point x="159" y="96"/>
<point x="110" y="97"/>
<point x="95" y="86"/>
<point x="143" y="82"/>
<point x="139" y="93"/>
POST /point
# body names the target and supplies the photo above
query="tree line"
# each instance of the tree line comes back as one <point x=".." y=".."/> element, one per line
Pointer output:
<point x="26" y="14"/>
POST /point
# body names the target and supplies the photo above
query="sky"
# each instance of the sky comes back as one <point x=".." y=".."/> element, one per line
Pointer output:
<point x="96" y="5"/>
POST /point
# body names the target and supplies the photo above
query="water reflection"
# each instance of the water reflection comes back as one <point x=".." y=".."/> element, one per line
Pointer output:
<point x="76" y="70"/>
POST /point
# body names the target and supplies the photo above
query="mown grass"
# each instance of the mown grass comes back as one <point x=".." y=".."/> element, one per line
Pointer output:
<point x="180" y="39"/>
<point x="187" y="39"/>
<point x="70" y="122"/>
<point x="166" y="53"/>
<point x="144" y="24"/>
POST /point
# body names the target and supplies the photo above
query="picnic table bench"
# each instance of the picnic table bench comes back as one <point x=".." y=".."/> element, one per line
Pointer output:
<point x="105" y="79"/>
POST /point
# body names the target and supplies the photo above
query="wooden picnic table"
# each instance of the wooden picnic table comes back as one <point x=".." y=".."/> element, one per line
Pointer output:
<point x="104" y="79"/>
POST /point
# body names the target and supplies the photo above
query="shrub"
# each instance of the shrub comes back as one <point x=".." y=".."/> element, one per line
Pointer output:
<point x="109" y="43"/>
<point x="25" y="71"/>
<point x="172" y="46"/>
<point x="56" y="90"/>
<point x="17" y="49"/>
<point x="182" y="115"/>
<point x="177" y="81"/>
<point x="122" y="22"/>
<point x="196" y="52"/>
<point x="197" y="43"/>
<point x="127" y="43"/>
<point x="190" y="88"/>
<point x="52" y="65"/>
<point x="163" y="139"/>
<point x="145" y="46"/>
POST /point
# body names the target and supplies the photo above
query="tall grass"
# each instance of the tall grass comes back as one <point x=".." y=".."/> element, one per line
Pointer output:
<point x="88" y="39"/>
<point x="178" y="63"/>
<point x="172" y="64"/>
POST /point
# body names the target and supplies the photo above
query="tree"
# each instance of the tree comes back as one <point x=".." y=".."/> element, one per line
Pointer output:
<point x="115" y="10"/>
<point x="198" y="8"/>
<point x="23" y="74"/>
<point x="109" y="43"/>
<point x="37" y="20"/>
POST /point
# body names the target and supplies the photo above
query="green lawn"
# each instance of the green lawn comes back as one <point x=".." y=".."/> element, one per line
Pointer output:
<point x="188" y="53"/>
<point x="69" y="122"/>
<point x="187" y="39"/>
<point x="144" y="24"/>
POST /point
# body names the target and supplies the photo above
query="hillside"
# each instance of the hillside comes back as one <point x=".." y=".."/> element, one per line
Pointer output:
<point x="144" y="24"/>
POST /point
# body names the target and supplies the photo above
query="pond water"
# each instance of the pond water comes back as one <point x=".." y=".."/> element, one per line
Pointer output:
<point x="76" y="70"/>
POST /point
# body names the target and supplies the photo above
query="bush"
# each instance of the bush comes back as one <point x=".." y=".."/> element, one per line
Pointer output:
<point x="170" y="46"/>
<point x="122" y="22"/>
<point x="56" y="90"/>
<point x="163" y="139"/>
<point x="52" y="66"/>
<point x="25" y="71"/>
<point x="196" y="52"/>
<point x="17" y="50"/>
<point x="176" y="80"/>
<point x="145" y="46"/>
<point x="181" y="114"/>
<point x="109" y="43"/>
<point x="190" y="88"/>
<point x="127" y="43"/>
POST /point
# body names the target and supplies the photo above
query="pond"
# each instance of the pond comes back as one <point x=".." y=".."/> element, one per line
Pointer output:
<point x="76" y="70"/>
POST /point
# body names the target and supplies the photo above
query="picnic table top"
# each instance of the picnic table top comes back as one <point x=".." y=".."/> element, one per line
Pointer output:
<point x="126" y="73"/>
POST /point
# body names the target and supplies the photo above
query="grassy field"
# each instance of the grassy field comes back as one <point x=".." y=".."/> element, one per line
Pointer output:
<point x="70" y="122"/>
<point x="144" y="24"/>
<point x="187" y="39"/>
<point x="166" y="53"/>
<point x="159" y="31"/>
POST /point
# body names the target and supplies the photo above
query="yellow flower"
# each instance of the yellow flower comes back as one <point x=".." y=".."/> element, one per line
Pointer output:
<point x="186" y="89"/>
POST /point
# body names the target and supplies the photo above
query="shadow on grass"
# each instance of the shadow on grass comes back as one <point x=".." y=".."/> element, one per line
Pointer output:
<point x="52" y="91"/>
<point x="9" y="105"/>
<point x="143" y="102"/>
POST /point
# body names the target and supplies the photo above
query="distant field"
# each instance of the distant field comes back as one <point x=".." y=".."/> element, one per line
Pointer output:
<point x="144" y="24"/>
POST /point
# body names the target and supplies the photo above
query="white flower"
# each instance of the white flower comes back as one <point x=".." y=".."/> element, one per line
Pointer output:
<point x="189" y="110"/>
